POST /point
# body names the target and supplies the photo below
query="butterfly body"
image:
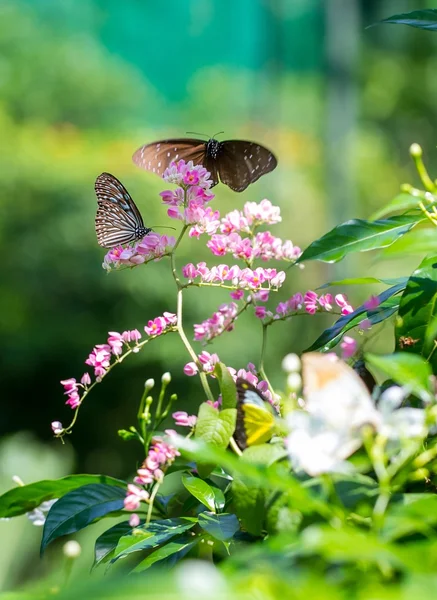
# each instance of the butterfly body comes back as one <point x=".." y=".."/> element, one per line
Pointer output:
<point x="255" y="418"/>
<point x="118" y="220"/>
<point x="236" y="163"/>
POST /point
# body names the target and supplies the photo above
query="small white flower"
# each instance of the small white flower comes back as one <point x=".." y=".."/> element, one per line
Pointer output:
<point x="38" y="515"/>
<point x="291" y="363"/>
<point x="72" y="549"/>
<point x="166" y="378"/>
<point x="294" y="382"/>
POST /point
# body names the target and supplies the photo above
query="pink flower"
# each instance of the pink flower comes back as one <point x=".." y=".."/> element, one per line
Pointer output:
<point x="134" y="520"/>
<point x="99" y="358"/>
<point x="262" y="295"/>
<point x="73" y="400"/>
<point x="173" y="197"/>
<point x="310" y="301"/>
<point x="296" y="302"/>
<point x="170" y="318"/>
<point x="135" y="335"/>
<point x="341" y="301"/>
<point x="155" y="327"/>
<point x="208" y="361"/>
<point x="85" y="379"/>
<point x="144" y="476"/>
<point x="57" y="427"/>
<point x="70" y="385"/>
<point x="220" y="321"/>
<point x="189" y="271"/>
<point x="116" y="341"/>
<point x="372" y="303"/>
<point x="237" y="295"/>
<point x="264" y="212"/>
<point x="152" y="247"/>
<point x="183" y="419"/>
<point x="260" y="312"/>
<point x="218" y="245"/>
<point x="348" y="347"/>
<point x="216" y="404"/>
<point x="191" y="369"/>
<point x="234" y="221"/>
<point x="134" y="497"/>
<point x="191" y="177"/>
<point x="326" y="301"/>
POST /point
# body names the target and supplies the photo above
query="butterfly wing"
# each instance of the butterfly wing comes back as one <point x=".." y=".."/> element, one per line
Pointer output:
<point x="242" y="163"/>
<point x="332" y="387"/>
<point x="157" y="156"/>
<point x="118" y="220"/>
<point x="255" y="420"/>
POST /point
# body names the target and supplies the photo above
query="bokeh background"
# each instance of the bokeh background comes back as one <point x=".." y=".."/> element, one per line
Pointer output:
<point x="82" y="85"/>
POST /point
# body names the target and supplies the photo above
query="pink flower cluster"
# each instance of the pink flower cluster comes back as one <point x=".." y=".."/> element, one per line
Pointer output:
<point x="183" y="419"/>
<point x="187" y="175"/>
<point x="188" y="202"/>
<point x="222" y="320"/>
<point x="242" y="278"/>
<point x="101" y="355"/>
<point x="160" y="456"/>
<point x="263" y="245"/>
<point x="207" y="362"/>
<point x="152" y="247"/>
<point x="159" y="325"/>
<point x="253" y="214"/>
<point x="312" y="303"/>
<point x="72" y="390"/>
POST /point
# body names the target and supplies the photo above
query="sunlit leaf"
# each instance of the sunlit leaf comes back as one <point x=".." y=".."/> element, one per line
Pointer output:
<point x="170" y="553"/>
<point x="79" y="508"/>
<point x="406" y="369"/>
<point x="423" y="19"/>
<point x="107" y="542"/>
<point x="420" y="241"/>
<point x="200" y="490"/>
<point x="358" y="235"/>
<point x="363" y="281"/>
<point x="25" y="498"/>
<point x="221" y="527"/>
<point x="227" y="385"/>
<point x="216" y="428"/>
<point x="417" y="312"/>
<point x="402" y="202"/>
<point x="153" y="534"/>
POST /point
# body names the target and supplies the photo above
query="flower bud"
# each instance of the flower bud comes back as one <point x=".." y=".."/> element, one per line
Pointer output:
<point x="72" y="549"/>
<point x="16" y="479"/>
<point x="166" y="378"/>
<point x="291" y="363"/>
<point x="415" y="151"/>
<point x="294" y="382"/>
<point x="57" y="427"/>
<point x="149" y="384"/>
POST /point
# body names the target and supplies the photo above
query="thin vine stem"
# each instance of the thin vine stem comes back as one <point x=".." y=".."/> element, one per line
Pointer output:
<point x="151" y="501"/>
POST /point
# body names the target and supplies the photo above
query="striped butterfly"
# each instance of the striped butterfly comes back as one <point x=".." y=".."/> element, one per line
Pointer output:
<point x="236" y="163"/>
<point x="118" y="220"/>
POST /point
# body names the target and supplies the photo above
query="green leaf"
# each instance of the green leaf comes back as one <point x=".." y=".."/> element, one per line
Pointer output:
<point x="248" y="499"/>
<point x="332" y="336"/>
<point x="25" y="498"/>
<point x="358" y="235"/>
<point x="151" y="535"/>
<point x="406" y="369"/>
<point x="107" y="542"/>
<point x="221" y="527"/>
<point x="417" y="312"/>
<point x="417" y="513"/>
<point x="422" y="19"/>
<point x="216" y="428"/>
<point x="401" y="202"/>
<point x="364" y="281"/>
<point x="200" y="490"/>
<point x="79" y="508"/>
<point x="420" y="241"/>
<point x="227" y="385"/>
<point x="176" y="549"/>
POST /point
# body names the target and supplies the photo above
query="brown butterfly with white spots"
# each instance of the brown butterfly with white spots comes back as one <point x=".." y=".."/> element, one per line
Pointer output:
<point x="236" y="163"/>
<point x="118" y="220"/>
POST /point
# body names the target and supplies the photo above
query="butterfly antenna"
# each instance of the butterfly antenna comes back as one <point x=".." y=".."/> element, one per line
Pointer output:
<point x="218" y="133"/>
<point x="196" y="133"/>
<point x="162" y="227"/>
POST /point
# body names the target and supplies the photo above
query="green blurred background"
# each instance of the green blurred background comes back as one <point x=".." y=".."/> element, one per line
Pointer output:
<point x="83" y="84"/>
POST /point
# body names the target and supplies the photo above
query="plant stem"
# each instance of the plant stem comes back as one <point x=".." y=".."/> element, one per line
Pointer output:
<point x="151" y="501"/>
<point x="261" y="360"/>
